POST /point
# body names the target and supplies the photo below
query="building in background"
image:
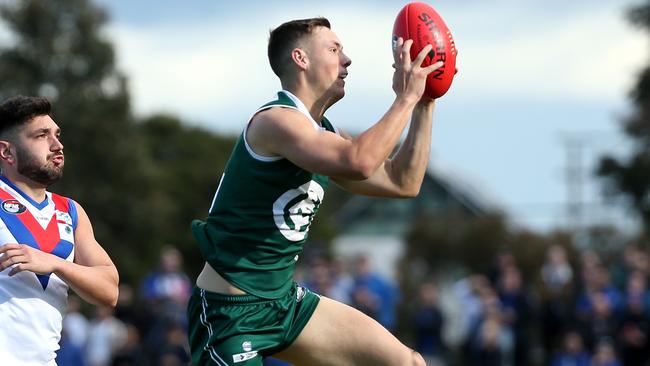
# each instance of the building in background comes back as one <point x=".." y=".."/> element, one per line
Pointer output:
<point x="377" y="227"/>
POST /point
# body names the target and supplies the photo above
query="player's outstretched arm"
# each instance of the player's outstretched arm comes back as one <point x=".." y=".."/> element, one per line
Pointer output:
<point x="287" y="133"/>
<point x="92" y="276"/>
<point x="401" y="176"/>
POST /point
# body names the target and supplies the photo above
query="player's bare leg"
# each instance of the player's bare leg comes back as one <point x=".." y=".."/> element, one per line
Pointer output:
<point x="340" y="335"/>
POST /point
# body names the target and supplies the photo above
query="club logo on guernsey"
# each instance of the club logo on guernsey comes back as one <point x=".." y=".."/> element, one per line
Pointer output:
<point x="63" y="217"/>
<point x="294" y="210"/>
<point x="13" y="207"/>
<point x="247" y="346"/>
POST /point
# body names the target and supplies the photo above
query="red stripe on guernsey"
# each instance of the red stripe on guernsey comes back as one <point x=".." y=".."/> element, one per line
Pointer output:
<point x="47" y="238"/>
<point x="60" y="203"/>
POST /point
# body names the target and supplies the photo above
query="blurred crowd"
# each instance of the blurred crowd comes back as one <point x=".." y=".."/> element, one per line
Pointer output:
<point x="583" y="309"/>
<point x="590" y="311"/>
<point x="147" y="327"/>
<point x="578" y="308"/>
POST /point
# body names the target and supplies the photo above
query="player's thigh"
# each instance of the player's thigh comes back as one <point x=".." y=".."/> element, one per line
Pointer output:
<point x="338" y="334"/>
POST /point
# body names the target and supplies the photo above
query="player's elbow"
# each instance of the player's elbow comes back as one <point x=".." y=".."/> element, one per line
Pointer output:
<point x="112" y="300"/>
<point x="362" y="165"/>
<point x="112" y="292"/>
<point x="412" y="192"/>
<point x="356" y="170"/>
<point x="409" y="192"/>
<point x="108" y="298"/>
<point x="363" y="169"/>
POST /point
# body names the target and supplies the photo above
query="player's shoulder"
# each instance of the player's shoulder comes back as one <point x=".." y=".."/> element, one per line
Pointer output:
<point x="279" y="118"/>
<point x="61" y="201"/>
<point x="279" y="114"/>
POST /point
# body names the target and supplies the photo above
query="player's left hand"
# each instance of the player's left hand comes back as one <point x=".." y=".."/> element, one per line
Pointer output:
<point x="25" y="258"/>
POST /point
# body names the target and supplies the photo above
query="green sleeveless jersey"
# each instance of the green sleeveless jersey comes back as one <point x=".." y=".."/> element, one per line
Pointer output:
<point x="260" y="215"/>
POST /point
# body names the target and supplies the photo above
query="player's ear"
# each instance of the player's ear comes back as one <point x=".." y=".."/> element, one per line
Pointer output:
<point x="299" y="57"/>
<point x="5" y="151"/>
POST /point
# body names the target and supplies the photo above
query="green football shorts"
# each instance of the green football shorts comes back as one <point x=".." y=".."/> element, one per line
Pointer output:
<point x="240" y="330"/>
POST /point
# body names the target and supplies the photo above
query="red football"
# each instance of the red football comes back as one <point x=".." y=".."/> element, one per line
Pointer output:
<point x="421" y="23"/>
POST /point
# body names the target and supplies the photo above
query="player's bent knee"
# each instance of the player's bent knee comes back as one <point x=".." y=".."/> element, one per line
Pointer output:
<point x="417" y="359"/>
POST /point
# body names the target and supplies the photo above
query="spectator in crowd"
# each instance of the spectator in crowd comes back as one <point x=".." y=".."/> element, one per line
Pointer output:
<point x="165" y="291"/>
<point x="75" y="323"/>
<point x="175" y="350"/>
<point x="342" y="281"/>
<point x="596" y="280"/>
<point x="630" y="261"/>
<point x="556" y="292"/>
<point x="516" y="309"/>
<point x="489" y="348"/>
<point x="491" y="339"/>
<point x="503" y="260"/>
<point x="605" y="355"/>
<point x="69" y="354"/>
<point x="168" y="288"/>
<point x="106" y="334"/>
<point x="573" y="352"/>
<point x="428" y="322"/>
<point x="556" y="271"/>
<point x="130" y="310"/>
<point x="373" y="294"/>
<point x="320" y="276"/>
<point x="467" y="293"/>
<point x="131" y="353"/>
<point x="633" y="336"/>
<point x="601" y="322"/>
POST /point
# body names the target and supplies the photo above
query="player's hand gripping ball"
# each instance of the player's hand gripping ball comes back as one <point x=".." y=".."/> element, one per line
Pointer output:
<point x="421" y="23"/>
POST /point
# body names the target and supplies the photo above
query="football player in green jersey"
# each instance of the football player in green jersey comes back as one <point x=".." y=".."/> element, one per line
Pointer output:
<point x="246" y="305"/>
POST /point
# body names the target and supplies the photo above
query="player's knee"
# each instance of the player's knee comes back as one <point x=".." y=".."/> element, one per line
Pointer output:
<point x="417" y="359"/>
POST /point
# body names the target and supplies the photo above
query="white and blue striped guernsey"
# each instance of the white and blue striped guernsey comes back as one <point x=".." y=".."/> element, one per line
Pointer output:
<point x="32" y="306"/>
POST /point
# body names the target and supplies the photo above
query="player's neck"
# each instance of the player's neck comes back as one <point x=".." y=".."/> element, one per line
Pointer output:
<point x="315" y="104"/>
<point x="35" y="191"/>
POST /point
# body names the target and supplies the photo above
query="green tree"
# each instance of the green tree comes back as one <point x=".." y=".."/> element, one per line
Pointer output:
<point x="446" y="243"/>
<point x="186" y="164"/>
<point x="58" y="52"/>
<point x="628" y="177"/>
<point x="141" y="182"/>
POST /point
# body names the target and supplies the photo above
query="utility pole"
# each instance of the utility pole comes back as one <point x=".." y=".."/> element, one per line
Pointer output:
<point x="574" y="175"/>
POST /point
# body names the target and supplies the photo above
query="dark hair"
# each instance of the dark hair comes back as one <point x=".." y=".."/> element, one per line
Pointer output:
<point x="285" y="37"/>
<point x="18" y="110"/>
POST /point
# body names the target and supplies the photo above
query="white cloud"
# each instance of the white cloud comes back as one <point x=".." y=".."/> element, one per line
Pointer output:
<point x="592" y="56"/>
<point x="219" y="66"/>
<point x="188" y="71"/>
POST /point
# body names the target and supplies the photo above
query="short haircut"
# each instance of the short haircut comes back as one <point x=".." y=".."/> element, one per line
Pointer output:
<point x="18" y="110"/>
<point x="284" y="39"/>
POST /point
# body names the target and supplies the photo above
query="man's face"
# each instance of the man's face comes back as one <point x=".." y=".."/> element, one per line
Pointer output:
<point x="327" y="62"/>
<point x="38" y="150"/>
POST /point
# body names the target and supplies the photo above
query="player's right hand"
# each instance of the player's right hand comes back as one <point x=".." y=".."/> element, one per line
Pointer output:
<point x="22" y="257"/>
<point x="409" y="78"/>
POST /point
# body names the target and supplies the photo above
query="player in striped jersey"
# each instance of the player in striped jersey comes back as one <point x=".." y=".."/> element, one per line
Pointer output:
<point x="47" y="243"/>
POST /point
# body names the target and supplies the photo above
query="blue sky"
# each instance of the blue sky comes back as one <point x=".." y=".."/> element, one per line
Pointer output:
<point x="532" y="76"/>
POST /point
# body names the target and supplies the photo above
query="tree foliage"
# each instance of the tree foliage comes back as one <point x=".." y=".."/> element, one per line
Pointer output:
<point x="448" y="242"/>
<point x="628" y="177"/>
<point x="141" y="182"/>
<point x="186" y="164"/>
